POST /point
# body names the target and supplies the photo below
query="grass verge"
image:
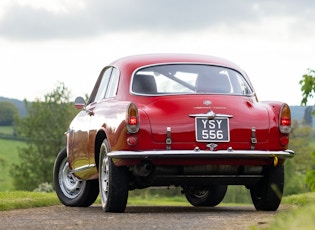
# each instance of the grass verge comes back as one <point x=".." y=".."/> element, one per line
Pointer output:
<point x="158" y="201"/>
<point x="300" y="216"/>
<point x="18" y="200"/>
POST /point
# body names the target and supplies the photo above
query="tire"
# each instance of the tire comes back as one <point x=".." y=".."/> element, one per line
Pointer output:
<point x="113" y="182"/>
<point x="267" y="193"/>
<point x="207" y="197"/>
<point x="70" y="190"/>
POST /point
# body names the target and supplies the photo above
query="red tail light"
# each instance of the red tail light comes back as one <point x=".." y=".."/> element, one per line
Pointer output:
<point x="285" y="119"/>
<point x="132" y="118"/>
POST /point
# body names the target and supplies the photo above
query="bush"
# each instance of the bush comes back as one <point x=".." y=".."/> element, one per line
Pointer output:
<point x="44" y="187"/>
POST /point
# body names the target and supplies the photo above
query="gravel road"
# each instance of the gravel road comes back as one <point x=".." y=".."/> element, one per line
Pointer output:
<point x="136" y="217"/>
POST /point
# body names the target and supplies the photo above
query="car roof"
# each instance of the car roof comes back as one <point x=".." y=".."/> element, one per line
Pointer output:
<point x="137" y="61"/>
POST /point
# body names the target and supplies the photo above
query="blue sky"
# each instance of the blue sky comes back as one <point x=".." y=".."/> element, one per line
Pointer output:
<point x="43" y="42"/>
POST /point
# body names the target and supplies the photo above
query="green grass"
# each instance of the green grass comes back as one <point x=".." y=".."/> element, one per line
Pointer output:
<point x="300" y="199"/>
<point x="158" y="201"/>
<point x="8" y="155"/>
<point x="296" y="218"/>
<point x="7" y="130"/>
<point x="18" y="200"/>
<point x="299" y="216"/>
<point x="22" y="200"/>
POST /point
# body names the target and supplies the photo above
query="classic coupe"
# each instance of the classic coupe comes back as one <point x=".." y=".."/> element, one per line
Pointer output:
<point x="184" y="120"/>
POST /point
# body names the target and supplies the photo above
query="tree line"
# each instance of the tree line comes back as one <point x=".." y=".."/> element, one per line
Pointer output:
<point x="308" y="91"/>
<point x="43" y="129"/>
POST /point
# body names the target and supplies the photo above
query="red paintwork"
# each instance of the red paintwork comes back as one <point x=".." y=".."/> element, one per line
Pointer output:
<point x="158" y="113"/>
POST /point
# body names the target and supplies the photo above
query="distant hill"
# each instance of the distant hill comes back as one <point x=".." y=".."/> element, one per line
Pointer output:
<point x="299" y="113"/>
<point x="18" y="103"/>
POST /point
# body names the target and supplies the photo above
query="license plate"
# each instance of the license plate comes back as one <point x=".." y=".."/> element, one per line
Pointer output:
<point x="215" y="130"/>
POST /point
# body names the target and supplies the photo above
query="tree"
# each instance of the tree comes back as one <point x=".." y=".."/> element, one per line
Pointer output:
<point x="7" y="113"/>
<point x="308" y="90"/>
<point x="308" y="118"/>
<point x="43" y="128"/>
<point x="296" y="169"/>
<point x="2" y="162"/>
<point x="308" y="86"/>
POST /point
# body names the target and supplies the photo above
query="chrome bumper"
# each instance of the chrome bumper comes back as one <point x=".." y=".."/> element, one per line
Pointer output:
<point x="226" y="154"/>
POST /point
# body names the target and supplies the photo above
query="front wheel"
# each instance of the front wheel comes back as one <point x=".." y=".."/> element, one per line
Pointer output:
<point x="208" y="197"/>
<point x="267" y="193"/>
<point x="113" y="182"/>
<point x="70" y="190"/>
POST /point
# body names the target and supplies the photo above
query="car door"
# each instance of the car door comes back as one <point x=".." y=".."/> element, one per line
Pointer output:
<point x="80" y="135"/>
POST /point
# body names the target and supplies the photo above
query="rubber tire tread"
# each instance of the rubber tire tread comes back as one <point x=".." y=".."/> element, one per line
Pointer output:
<point x="118" y="185"/>
<point x="267" y="193"/>
<point x="214" y="197"/>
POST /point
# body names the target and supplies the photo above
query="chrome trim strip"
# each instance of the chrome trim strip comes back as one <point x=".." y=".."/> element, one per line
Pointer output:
<point x="233" y="154"/>
<point x="210" y="115"/>
<point x="82" y="168"/>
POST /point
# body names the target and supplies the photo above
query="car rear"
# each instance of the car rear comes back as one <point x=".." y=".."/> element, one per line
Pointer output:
<point x="200" y="126"/>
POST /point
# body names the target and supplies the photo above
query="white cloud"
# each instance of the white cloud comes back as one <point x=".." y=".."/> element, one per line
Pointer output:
<point x="43" y="42"/>
<point x="60" y="19"/>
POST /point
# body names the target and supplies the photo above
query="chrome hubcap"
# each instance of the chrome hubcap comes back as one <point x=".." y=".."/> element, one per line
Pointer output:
<point x="70" y="185"/>
<point x="104" y="180"/>
<point x="201" y="193"/>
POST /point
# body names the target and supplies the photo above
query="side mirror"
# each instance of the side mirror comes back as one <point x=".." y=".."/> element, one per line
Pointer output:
<point x="79" y="103"/>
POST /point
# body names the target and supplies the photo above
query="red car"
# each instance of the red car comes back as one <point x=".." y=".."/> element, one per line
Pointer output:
<point x="184" y="120"/>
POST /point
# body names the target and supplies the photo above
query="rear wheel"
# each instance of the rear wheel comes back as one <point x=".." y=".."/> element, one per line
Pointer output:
<point x="70" y="190"/>
<point x="267" y="193"/>
<point x="113" y="182"/>
<point x="208" y="197"/>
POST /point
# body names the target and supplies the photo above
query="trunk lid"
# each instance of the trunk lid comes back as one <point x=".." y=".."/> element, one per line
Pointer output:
<point x="174" y="112"/>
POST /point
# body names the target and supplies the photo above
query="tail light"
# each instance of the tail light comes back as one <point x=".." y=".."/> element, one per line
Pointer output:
<point x="285" y="119"/>
<point x="132" y="118"/>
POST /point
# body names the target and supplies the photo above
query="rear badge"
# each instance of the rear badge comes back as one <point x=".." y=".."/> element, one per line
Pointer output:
<point x="207" y="102"/>
<point x="212" y="146"/>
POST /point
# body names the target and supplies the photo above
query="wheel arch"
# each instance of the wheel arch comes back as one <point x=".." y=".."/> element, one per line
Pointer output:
<point x="100" y="137"/>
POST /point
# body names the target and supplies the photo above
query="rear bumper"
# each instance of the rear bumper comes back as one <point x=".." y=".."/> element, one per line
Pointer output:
<point x="199" y="154"/>
<point x="198" y="168"/>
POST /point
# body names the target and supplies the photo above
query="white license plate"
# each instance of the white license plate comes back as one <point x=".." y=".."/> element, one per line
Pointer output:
<point x="215" y="130"/>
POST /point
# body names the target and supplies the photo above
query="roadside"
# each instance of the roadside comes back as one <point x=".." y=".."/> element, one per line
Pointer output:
<point x="137" y="217"/>
<point x="296" y="210"/>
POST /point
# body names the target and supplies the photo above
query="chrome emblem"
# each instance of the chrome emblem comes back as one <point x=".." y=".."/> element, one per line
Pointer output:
<point x="211" y="115"/>
<point x="207" y="102"/>
<point x="212" y="146"/>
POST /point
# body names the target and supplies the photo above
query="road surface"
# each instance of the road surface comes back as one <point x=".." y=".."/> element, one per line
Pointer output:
<point x="136" y="217"/>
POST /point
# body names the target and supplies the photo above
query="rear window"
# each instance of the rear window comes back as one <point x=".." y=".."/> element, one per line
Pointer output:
<point x="189" y="79"/>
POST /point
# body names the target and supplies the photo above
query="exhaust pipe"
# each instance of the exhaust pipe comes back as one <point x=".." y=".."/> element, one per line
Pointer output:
<point x="143" y="169"/>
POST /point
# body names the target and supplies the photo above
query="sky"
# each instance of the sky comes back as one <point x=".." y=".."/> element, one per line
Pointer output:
<point x="47" y="42"/>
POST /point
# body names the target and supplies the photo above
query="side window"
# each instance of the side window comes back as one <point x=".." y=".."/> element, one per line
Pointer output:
<point x="112" y="85"/>
<point x="103" y="85"/>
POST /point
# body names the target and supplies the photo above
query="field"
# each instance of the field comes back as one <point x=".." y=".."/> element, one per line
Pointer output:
<point x="7" y="130"/>
<point x="8" y="155"/>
